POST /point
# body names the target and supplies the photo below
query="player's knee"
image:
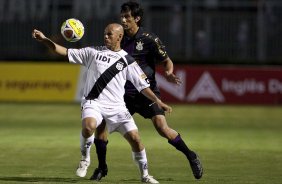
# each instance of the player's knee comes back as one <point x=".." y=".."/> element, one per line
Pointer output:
<point x="88" y="130"/>
<point x="88" y="127"/>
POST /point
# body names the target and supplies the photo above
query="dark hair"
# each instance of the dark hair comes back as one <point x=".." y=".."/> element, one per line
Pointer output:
<point x="135" y="8"/>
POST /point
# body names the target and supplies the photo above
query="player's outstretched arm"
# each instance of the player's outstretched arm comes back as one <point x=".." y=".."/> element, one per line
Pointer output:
<point x="39" y="36"/>
<point x="150" y="94"/>
<point x="169" y="75"/>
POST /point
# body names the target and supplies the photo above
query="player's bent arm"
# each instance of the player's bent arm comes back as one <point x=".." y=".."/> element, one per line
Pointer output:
<point x="168" y="66"/>
<point x="58" y="49"/>
<point x="169" y="75"/>
<point x="150" y="94"/>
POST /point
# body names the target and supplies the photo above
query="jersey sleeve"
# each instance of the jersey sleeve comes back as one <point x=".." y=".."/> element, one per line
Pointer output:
<point x="159" y="49"/>
<point x="79" y="56"/>
<point x="137" y="77"/>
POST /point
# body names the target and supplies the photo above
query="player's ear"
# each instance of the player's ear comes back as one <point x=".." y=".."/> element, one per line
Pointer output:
<point x="137" y="19"/>
<point x="120" y="36"/>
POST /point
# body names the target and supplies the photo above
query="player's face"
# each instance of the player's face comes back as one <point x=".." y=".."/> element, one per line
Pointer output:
<point x="127" y="20"/>
<point x="110" y="38"/>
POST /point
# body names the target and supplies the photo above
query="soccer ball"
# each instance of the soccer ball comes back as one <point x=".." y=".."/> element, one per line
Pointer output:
<point x="72" y="30"/>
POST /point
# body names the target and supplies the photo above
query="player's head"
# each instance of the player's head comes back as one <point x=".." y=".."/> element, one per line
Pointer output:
<point x="112" y="36"/>
<point x="131" y="13"/>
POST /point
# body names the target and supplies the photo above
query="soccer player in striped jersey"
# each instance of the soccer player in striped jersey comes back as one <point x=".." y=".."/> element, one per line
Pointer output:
<point x="108" y="68"/>
<point x="148" y="50"/>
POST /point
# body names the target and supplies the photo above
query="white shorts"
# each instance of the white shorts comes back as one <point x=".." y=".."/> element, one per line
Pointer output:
<point x="118" y="118"/>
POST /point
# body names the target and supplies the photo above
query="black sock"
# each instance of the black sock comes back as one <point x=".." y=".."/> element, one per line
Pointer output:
<point x="101" y="150"/>
<point x="180" y="145"/>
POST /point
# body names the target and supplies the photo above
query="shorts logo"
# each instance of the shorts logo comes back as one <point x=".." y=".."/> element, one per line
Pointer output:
<point x="127" y="115"/>
<point x="139" y="45"/>
<point x="124" y="115"/>
<point x="119" y="66"/>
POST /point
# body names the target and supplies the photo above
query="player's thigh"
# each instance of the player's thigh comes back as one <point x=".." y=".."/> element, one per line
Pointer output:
<point x="119" y="120"/>
<point x="128" y="126"/>
<point x="91" y="115"/>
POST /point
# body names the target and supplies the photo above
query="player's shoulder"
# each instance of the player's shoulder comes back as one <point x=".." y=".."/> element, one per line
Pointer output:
<point x="123" y="54"/>
<point x="130" y="59"/>
<point x="149" y="36"/>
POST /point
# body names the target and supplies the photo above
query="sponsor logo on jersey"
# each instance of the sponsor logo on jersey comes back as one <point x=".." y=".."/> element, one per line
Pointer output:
<point x="103" y="58"/>
<point x="143" y="76"/>
<point x="139" y="45"/>
<point x="160" y="47"/>
<point x="205" y="88"/>
<point x="112" y="56"/>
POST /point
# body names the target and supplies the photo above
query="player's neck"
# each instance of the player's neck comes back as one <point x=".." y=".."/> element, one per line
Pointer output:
<point x="114" y="48"/>
<point x="131" y="32"/>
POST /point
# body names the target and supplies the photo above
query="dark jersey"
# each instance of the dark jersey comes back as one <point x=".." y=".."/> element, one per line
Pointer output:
<point x="147" y="49"/>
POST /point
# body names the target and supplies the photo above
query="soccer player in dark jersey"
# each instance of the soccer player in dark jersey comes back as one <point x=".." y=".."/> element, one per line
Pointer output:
<point x="147" y="49"/>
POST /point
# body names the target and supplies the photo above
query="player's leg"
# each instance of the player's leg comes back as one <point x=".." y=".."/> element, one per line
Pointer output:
<point x="175" y="140"/>
<point x="91" y="118"/>
<point x="86" y="140"/>
<point x="139" y="155"/>
<point x="147" y="109"/>
<point x="101" y="142"/>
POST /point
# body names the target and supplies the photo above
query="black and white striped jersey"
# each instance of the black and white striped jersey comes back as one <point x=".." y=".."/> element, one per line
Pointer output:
<point x="107" y="72"/>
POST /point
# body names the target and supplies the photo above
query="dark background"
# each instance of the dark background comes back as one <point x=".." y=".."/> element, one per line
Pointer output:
<point x="194" y="32"/>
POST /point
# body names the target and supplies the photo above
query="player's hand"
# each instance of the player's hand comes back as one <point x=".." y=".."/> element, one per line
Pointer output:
<point x="38" y="35"/>
<point x="171" y="77"/>
<point x="165" y="107"/>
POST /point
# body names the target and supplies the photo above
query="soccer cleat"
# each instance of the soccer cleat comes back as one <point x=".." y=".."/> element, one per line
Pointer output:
<point x="148" y="179"/>
<point x="99" y="174"/>
<point x="196" y="167"/>
<point x="82" y="168"/>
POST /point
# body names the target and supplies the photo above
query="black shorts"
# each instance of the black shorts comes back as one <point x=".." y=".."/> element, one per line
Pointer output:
<point x="142" y="105"/>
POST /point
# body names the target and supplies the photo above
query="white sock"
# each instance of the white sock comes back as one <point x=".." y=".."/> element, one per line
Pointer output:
<point x="85" y="145"/>
<point x="140" y="159"/>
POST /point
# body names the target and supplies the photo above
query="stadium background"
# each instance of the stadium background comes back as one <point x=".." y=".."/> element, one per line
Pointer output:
<point x="238" y="34"/>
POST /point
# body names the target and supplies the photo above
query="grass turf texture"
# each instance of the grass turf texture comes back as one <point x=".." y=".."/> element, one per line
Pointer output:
<point x="237" y="144"/>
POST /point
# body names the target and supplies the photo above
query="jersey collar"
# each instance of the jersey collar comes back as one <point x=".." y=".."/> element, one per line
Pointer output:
<point x="137" y="35"/>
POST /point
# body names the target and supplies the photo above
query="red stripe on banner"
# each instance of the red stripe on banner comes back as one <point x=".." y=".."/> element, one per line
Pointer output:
<point x="223" y="85"/>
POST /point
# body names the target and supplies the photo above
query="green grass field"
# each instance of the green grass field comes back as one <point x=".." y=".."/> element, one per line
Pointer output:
<point x="237" y="144"/>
